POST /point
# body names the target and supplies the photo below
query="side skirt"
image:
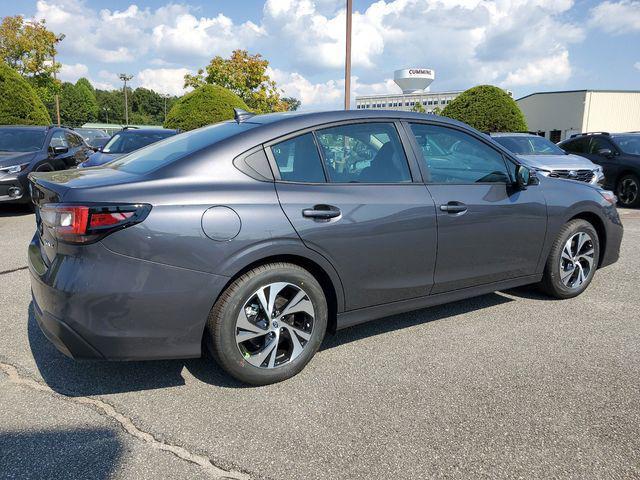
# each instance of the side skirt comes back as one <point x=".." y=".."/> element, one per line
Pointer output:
<point x="362" y="315"/>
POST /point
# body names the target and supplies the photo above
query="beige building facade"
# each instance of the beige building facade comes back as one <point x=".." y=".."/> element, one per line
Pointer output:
<point x="558" y="115"/>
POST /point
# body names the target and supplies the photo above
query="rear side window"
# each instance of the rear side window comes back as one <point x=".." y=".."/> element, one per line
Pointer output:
<point x="298" y="159"/>
<point x="455" y="157"/>
<point x="166" y="151"/>
<point x="575" y="146"/>
<point x="364" y="153"/>
<point x="598" y="144"/>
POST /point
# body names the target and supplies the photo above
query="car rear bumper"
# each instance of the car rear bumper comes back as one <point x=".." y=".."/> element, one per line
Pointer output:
<point x="103" y="305"/>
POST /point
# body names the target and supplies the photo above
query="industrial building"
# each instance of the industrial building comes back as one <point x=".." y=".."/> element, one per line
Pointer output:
<point x="414" y="83"/>
<point x="558" y="115"/>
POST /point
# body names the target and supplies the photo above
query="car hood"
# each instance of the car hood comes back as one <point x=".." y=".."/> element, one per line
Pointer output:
<point x="8" y="159"/>
<point x="557" y="162"/>
<point x="99" y="158"/>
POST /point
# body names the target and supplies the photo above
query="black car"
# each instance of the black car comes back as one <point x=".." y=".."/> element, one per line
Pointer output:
<point x="25" y="149"/>
<point x="96" y="138"/>
<point x="619" y="155"/>
<point x="126" y="141"/>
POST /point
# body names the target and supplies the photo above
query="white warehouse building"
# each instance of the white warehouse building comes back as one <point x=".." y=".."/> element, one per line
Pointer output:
<point x="558" y="115"/>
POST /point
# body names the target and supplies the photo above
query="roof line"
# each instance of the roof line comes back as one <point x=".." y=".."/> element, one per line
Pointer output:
<point x="578" y="91"/>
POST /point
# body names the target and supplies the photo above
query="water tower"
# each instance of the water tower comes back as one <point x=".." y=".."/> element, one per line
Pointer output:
<point x="414" y="80"/>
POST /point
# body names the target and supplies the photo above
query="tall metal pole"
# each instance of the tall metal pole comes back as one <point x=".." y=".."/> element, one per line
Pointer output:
<point x="125" y="78"/>
<point x="347" y="63"/>
<point x="58" y="39"/>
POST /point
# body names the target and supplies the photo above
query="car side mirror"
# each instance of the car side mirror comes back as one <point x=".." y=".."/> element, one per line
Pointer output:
<point x="523" y="177"/>
<point x="59" y="150"/>
<point x="605" y="152"/>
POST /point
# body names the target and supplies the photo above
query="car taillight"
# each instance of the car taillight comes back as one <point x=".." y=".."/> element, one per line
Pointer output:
<point x="88" y="223"/>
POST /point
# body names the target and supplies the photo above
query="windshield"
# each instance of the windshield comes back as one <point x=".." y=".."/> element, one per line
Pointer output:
<point x="167" y="151"/>
<point x="629" y="144"/>
<point x="125" y="142"/>
<point x="21" y="140"/>
<point x="533" y="145"/>
<point x="90" y="134"/>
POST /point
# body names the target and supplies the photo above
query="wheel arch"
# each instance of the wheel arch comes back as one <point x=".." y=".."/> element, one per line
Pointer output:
<point x="598" y="225"/>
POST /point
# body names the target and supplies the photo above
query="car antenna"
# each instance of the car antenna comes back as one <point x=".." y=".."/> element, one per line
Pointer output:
<point x="242" y="115"/>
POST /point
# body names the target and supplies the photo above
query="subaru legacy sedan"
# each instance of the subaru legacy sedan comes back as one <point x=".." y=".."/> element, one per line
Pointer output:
<point x="255" y="237"/>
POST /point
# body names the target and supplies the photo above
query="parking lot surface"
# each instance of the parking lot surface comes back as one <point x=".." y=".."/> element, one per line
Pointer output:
<point x="506" y="385"/>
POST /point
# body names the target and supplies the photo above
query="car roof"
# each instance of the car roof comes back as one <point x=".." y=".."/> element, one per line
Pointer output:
<point x="140" y="131"/>
<point x="514" y="134"/>
<point x="27" y="127"/>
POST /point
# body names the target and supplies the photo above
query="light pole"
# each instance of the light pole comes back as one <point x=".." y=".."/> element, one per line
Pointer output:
<point x="347" y="63"/>
<point x="165" y="96"/>
<point x="57" y="40"/>
<point x="125" y="78"/>
<point x="106" y="111"/>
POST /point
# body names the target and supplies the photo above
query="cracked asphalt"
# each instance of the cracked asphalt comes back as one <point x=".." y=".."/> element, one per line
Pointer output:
<point x="507" y="385"/>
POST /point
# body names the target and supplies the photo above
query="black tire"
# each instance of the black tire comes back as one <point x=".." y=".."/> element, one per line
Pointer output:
<point x="45" y="167"/>
<point x="221" y="331"/>
<point x="552" y="283"/>
<point x="628" y="191"/>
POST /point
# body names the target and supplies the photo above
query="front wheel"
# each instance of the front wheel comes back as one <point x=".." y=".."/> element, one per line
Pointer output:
<point x="267" y="325"/>
<point x="572" y="261"/>
<point x="628" y="191"/>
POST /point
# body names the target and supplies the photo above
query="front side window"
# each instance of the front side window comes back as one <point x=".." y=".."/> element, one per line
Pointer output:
<point x="364" y="153"/>
<point x="452" y="156"/>
<point x="58" y="139"/>
<point x="298" y="160"/>
<point x="73" y="140"/>
<point x="598" y="144"/>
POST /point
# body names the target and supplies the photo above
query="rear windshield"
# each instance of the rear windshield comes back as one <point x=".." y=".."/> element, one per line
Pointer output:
<point x="126" y="142"/>
<point x="173" y="148"/>
<point x="21" y="140"/>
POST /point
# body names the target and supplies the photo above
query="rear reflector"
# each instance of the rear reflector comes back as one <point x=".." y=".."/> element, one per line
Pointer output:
<point x="89" y="223"/>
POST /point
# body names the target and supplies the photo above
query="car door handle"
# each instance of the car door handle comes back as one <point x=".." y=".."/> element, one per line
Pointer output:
<point x="454" y="207"/>
<point x="323" y="212"/>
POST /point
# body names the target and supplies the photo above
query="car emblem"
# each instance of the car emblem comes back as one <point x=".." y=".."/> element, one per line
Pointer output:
<point x="573" y="174"/>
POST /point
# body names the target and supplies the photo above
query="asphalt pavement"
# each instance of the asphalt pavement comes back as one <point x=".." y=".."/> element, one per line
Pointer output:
<point x="507" y="385"/>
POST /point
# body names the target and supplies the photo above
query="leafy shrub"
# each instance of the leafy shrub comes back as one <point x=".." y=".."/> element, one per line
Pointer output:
<point x="488" y="109"/>
<point x="19" y="104"/>
<point x="205" y="105"/>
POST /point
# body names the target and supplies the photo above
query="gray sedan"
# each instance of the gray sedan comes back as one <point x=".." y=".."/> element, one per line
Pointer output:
<point x="255" y="237"/>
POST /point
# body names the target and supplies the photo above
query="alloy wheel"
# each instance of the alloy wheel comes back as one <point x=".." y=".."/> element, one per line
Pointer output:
<point x="275" y="325"/>
<point x="628" y="191"/>
<point x="577" y="260"/>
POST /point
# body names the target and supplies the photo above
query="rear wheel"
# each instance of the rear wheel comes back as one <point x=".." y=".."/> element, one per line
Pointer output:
<point x="267" y="325"/>
<point x="572" y="261"/>
<point x="628" y="191"/>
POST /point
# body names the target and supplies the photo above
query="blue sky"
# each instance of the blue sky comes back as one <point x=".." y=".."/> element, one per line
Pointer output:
<point x="522" y="45"/>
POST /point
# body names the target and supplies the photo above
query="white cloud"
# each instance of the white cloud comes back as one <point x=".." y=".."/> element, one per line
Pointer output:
<point x="637" y="65"/>
<point x="616" y="17"/>
<point x="71" y="73"/>
<point x="162" y="80"/>
<point x="549" y="70"/>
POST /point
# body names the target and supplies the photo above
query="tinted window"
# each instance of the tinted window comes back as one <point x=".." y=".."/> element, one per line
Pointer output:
<point x="598" y="143"/>
<point x="73" y="140"/>
<point x="364" y="153"/>
<point x="58" y="139"/>
<point x="452" y="156"/>
<point x="298" y="159"/>
<point x="523" y="145"/>
<point x="173" y="148"/>
<point x="21" y="140"/>
<point x="575" y="146"/>
<point x="629" y="143"/>
<point x="125" y="142"/>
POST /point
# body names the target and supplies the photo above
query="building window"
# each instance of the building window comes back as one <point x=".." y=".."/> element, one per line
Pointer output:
<point x="442" y="102"/>
<point x="554" y="135"/>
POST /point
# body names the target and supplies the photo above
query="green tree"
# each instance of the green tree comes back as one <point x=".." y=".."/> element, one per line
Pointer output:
<point x="205" y="105"/>
<point x="418" y="107"/>
<point x="88" y="100"/>
<point x="27" y="46"/>
<point x="19" y="104"/>
<point x="488" y="109"/>
<point x="76" y="106"/>
<point x="110" y="106"/>
<point x="246" y="76"/>
<point x="292" y="103"/>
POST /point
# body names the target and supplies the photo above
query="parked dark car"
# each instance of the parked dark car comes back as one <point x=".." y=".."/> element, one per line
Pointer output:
<point x="254" y="237"/>
<point x="94" y="137"/>
<point x="547" y="158"/>
<point x="619" y="155"/>
<point x="126" y="141"/>
<point x="26" y="149"/>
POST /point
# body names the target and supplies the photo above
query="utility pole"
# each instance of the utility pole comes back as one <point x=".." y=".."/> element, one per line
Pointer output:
<point x="57" y="40"/>
<point x="125" y="78"/>
<point x="347" y="63"/>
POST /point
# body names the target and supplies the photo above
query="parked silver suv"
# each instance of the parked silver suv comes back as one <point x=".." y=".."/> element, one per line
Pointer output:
<point x="549" y="159"/>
